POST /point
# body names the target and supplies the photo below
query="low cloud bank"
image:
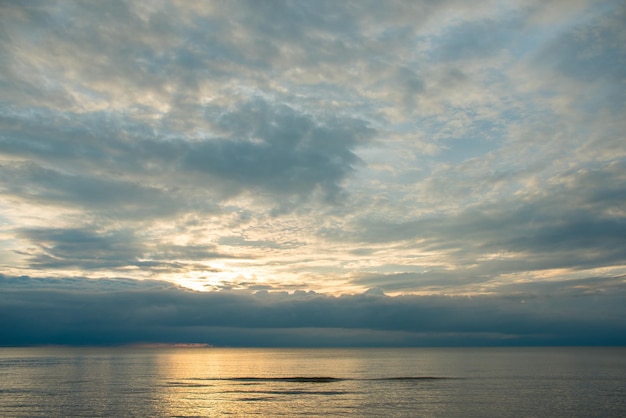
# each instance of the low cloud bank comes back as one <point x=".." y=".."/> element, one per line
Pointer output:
<point x="112" y="312"/>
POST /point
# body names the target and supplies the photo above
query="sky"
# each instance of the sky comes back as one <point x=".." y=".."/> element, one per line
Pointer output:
<point x="272" y="172"/>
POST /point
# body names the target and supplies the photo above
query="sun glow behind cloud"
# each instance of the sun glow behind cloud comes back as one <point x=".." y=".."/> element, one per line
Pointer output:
<point x="415" y="147"/>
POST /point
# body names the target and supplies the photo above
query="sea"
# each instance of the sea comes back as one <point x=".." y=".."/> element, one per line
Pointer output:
<point x="366" y="382"/>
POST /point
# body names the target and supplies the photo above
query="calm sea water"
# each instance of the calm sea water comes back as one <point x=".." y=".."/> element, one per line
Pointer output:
<point x="192" y="382"/>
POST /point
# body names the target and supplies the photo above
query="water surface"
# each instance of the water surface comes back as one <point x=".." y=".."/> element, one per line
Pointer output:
<point x="192" y="382"/>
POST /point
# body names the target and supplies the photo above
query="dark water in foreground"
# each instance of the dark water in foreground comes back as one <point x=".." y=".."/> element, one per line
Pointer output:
<point x="480" y="382"/>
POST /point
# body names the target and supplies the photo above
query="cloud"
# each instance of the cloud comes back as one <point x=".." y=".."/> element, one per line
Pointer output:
<point x="476" y="39"/>
<point x="144" y="313"/>
<point x="281" y="149"/>
<point x="259" y="145"/>
<point x="575" y="224"/>
<point x="590" y="50"/>
<point x="587" y="61"/>
<point x="93" y="249"/>
<point x="118" y="197"/>
<point x="414" y="146"/>
<point x="80" y="284"/>
<point x="81" y="247"/>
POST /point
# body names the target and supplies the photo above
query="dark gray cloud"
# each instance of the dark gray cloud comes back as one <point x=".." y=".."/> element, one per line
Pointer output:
<point x="84" y="248"/>
<point x="80" y="284"/>
<point x="83" y="315"/>
<point x="116" y="196"/>
<point x="92" y="249"/>
<point x="281" y="149"/>
<point x="259" y="145"/>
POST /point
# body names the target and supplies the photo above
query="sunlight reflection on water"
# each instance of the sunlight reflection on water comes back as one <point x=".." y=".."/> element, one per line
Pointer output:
<point x="287" y="382"/>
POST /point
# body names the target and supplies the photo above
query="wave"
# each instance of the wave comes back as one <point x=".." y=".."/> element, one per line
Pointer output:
<point x="320" y="379"/>
<point x="301" y="379"/>
<point x="414" y="378"/>
<point x="188" y="385"/>
<point x="291" y="392"/>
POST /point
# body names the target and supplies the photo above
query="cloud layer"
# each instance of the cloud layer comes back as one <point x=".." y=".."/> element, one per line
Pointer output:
<point x="421" y="148"/>
<point x="112" y="312"/>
